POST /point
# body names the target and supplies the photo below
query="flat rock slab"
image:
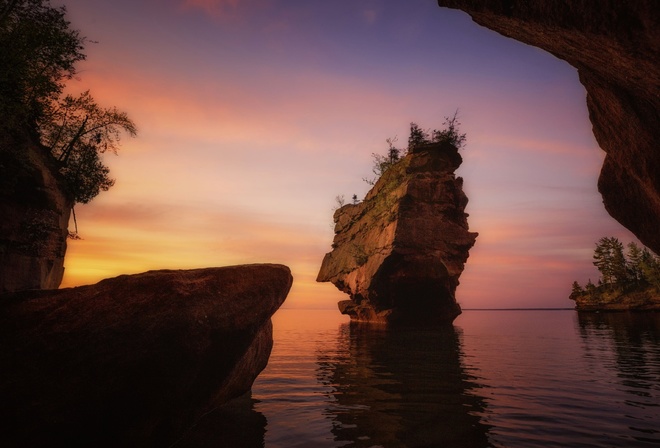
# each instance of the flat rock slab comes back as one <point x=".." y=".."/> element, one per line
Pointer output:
<point x="133" y="360"/>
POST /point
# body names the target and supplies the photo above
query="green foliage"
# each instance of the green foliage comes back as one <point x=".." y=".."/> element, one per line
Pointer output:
<point x="449" y="134"/>
<point x="383" y="163"/>
<point x="576" y="290"/>
<point x="77" y="131"/>
<point x="634" y="269"/>
<point x="418" y="137"/>
<point x="39" y="55"/>
<point x="610" y="261"/>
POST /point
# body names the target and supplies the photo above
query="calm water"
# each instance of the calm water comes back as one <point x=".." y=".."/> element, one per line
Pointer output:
<point x="497" y="378"/>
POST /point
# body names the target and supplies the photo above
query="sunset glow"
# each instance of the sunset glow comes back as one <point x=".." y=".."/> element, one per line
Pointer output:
<point x="253" y="115"/>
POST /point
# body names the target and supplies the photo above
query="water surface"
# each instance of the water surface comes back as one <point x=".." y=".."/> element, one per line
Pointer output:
<point x="496" y="378"/>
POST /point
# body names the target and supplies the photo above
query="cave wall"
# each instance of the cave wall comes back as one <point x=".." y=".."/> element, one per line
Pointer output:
<point x="614" y="45"/>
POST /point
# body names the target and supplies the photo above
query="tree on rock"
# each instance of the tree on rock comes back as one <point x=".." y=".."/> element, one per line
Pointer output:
<point x="40" y="52"/>
<point x="77" y="131"/>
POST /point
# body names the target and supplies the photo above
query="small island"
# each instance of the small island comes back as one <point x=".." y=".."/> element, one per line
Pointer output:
<point x="629" y="280"/>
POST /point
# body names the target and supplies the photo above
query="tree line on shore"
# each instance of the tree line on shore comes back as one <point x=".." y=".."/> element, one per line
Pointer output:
<point x="634" y="268"/>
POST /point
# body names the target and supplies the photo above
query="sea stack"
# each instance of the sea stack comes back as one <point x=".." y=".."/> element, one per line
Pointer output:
<point x="400" y="252"/>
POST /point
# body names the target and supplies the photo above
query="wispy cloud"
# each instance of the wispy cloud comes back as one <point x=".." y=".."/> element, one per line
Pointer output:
<point x="214" y="8"/>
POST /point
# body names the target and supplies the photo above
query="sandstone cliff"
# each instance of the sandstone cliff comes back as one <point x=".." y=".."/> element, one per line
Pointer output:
<point x="133" y="360"/>
<point x="34" y="211"/>
<point x="615" y="46"/>
<point x="400" y="252"/>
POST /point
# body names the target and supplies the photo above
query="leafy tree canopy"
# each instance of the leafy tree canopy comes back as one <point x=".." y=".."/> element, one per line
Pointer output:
<point x="39" y="56"/>
<point x="40" y="52"/>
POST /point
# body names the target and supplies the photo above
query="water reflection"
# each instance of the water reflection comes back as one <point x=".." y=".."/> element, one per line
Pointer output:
<point x="235" y="425"/>
<point x="400" y="388"/>
<point x="632" y="341"/>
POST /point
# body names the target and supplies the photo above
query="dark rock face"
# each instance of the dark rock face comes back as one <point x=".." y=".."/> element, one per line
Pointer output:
<point x="34" y="211"/>
<point x="133" y="360"/>
<point x="400" y="252"/>
<point x="615" y="46"/>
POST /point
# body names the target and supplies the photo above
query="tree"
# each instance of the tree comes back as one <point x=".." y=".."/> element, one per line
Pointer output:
<point x="39" y="53"/>
<point x="383" y="163"/>
<point x="610" y="261"/>
<point x="590" y="288"/>
<point x="650" y="267"/>
<point x="576" y="290"/>
<point x="77" y="131"/>
<point x="450" y="133"/>
<point x="634" y="257"/>
<point x="417" y="137"/>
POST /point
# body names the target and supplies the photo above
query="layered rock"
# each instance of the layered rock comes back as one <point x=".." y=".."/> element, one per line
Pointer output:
<point x="133" y="360"/>
<point x="400" y="252"/>
<point x="615" y="46"/>
<point x="35" y="212"/>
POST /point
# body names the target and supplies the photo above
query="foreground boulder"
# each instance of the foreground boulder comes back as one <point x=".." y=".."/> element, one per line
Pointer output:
<point x="615" y="46"/>
<point x="400" y="252"/>
<point x="133" y="360"/>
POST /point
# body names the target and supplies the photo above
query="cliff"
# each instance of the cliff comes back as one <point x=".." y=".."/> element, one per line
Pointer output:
<point x="618" y="299"/>
<point x="35" y="212"/>
<point x="133" y="360"/>
<point x="400" y="252"/>
<point x="615" y="47"/>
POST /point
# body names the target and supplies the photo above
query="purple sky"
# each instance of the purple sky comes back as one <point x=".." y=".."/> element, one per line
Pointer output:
<point x="253" y="115"/>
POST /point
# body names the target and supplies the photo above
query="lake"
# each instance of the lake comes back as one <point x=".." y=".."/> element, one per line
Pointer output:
<point x="495" y="378"/>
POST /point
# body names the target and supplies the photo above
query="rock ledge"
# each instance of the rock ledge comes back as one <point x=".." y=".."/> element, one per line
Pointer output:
<point x="133" y="360"/>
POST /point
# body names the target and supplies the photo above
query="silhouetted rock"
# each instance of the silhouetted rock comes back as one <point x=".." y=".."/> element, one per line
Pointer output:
<point x="400" y="252"/>
<point x="615" y="46"/>
<point x="133" y="360"/>
<point x="34" y="217"/>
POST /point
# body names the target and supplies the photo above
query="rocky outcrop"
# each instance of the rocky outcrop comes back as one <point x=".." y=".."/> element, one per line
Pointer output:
<point x="400" y="252"/>
<point x="605" y="298"/>
<point x="615" y="46"/>
<point x="133" y="360"/>
<point x="35" y="214"/>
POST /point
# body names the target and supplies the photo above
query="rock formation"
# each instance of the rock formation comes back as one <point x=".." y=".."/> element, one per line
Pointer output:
<point x="615" y="47"/>
<point x="399" y="253"/>
<point x="133" y="360"/>
<point x="35" y="214"/>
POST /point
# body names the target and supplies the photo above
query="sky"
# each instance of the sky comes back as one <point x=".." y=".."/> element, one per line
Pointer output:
<point x="253" y="115"/>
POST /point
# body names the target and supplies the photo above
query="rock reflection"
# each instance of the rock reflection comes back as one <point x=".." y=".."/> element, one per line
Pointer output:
<point x="400" y="388"/>
<point x="236" y="424"/>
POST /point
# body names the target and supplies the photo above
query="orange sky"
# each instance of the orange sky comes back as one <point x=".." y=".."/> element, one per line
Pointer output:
<point x="254" y="115"/>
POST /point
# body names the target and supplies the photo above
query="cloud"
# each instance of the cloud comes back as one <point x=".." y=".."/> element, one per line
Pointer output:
<point x="214" y="8"/>
<point x="370" y="16"/>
